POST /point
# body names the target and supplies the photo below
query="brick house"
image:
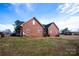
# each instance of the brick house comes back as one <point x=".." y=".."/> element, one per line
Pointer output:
<point x="53" y="30"/>
<point x="33" y="28"/>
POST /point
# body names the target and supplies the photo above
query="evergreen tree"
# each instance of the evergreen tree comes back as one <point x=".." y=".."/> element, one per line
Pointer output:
<point x="17" y="26"/>
<point x="66" y="31"/>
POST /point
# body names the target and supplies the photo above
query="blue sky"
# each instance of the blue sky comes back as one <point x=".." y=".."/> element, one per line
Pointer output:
<point x="63" y="14"/>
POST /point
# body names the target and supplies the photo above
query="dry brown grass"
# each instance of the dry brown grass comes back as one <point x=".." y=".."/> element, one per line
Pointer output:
<point x="70" y="37"/>
<point x="46" y="46"/>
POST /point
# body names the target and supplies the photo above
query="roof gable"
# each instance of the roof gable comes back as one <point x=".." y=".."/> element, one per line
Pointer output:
<point x="33" y="18"/>
<point x="54" y="25"/>
<point x="48" y="25"/>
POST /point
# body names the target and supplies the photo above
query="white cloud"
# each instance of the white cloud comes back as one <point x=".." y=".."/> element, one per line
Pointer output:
<point x="72" y="23"/>
<point x="64" y="7"/>
<point x="6" y="26"/>
<point x="18" y="10"/>
<point x="29" y="6"/>
<point x="21" y="9"/>
<point x="69" y="8"/>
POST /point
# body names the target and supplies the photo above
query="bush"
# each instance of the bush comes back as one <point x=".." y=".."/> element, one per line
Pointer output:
<point x="1" y="34"/>
<point x="13" y="34"/>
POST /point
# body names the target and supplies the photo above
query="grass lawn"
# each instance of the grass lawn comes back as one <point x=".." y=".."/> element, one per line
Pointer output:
<point x="23" y="46"/>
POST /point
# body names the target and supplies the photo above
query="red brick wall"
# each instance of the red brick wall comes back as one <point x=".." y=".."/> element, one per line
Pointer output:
<point x="53" y="30"/>
<point x="32" y="30"/>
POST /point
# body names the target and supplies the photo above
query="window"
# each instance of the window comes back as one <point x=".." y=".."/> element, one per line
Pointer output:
<point x="33" y="22"/>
